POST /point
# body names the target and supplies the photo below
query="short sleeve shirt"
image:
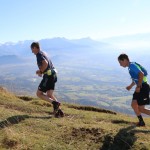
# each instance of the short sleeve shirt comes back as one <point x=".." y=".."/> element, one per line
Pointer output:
<point x="134" y="71"/>
<point x="42" y="56"/>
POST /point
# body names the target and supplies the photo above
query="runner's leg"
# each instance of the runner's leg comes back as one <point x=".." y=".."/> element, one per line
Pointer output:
<point x="41" y="95"/>
<point x="50" y="93"/>
<point x="135" y="107"/>
<point x="144" y="110"/>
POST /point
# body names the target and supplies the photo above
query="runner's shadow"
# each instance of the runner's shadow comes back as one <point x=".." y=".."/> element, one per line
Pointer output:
<point x="123" y="140"/>
<point x="17" y="119"/>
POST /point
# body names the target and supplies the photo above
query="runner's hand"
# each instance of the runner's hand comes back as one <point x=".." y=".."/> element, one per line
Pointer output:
<point x="38" y="72"/>
<point x="129" y="87"/>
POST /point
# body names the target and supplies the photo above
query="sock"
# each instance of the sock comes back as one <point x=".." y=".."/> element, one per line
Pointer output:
<point x="53" y="102"/>
<point x="140" y="118"/>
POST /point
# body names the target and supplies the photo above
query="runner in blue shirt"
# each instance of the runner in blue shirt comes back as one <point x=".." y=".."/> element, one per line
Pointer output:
<point x="47" y="85"/>
<point x="141" y="93"/>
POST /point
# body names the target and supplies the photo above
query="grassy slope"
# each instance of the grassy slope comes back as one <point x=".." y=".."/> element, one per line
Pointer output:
<point x="27" y="123"/>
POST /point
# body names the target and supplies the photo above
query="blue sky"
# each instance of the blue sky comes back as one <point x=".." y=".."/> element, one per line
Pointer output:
<point x="38" y="19"/>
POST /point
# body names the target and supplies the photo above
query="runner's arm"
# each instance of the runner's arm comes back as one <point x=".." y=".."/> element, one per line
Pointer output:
<point x="130" y="86"/>
<point x="43" y="66"/>
<point x="140" y="79"/>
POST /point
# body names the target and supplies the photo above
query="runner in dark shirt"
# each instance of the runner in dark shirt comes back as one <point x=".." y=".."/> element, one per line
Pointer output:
<point x="47" y="85"/>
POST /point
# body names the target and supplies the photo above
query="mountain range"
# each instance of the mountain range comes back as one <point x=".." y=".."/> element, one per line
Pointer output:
<point x="88" y="70"/>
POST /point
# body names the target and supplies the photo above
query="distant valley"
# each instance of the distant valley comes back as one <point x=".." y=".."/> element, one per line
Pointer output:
<point x="88" y="71"/>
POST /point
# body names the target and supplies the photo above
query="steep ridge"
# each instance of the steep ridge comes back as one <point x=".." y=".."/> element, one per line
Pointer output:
<point x="28" y="123"/>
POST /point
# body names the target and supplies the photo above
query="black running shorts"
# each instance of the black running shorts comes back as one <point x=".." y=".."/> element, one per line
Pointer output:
<point x="143" y="96"/>
<point x="47" y="83"/>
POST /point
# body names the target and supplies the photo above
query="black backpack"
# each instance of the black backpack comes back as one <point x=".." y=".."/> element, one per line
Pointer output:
<point x="142" y="69"/>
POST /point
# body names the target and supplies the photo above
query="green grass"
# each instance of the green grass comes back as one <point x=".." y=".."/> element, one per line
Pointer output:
<point x="27" y="123"/>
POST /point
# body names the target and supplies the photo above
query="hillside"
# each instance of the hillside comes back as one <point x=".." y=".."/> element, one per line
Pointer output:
<point x="26" y="123"/>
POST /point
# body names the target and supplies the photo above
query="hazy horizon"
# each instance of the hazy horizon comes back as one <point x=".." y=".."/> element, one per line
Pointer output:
<point x="37" y="19"/>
